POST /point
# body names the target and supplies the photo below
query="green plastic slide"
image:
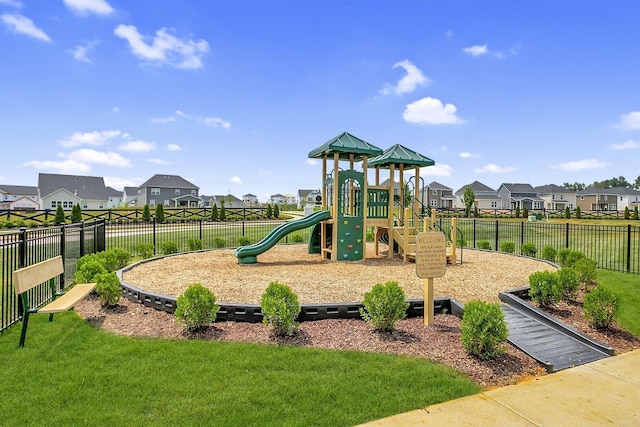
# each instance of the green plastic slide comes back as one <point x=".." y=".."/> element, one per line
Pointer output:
<point x="249" y="254"/>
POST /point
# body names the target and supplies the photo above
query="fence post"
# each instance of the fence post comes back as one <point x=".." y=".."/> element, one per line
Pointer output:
<point x="628" y="248"/>
<point x="474" y="232"/>
<point x="242" y="228"/>
<point x="154" y="235"/>
<point x="566" y="240"/>
<point x="522" y="233"/>
<point x="200" y="231"/>
<point x="81" y="238"/>
<point x="497" y="222"/>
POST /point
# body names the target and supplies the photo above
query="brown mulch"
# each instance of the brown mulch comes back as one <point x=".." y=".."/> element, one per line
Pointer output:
<point x="481" y="276"/>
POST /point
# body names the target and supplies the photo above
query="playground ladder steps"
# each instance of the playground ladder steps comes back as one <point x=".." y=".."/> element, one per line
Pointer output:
<point x="407" y="243"/>
<point x="549" y="342"/>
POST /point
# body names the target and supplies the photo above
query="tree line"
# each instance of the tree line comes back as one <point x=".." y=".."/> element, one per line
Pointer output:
<point x="619" y="182"/>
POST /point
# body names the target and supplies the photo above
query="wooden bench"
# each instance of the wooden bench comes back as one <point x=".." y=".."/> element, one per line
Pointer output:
<point x="27" y="278"/>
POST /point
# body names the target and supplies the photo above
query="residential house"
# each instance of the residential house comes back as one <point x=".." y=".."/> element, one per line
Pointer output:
<point x="129" y="196"/>
<point x="597" y="199"/>
<point x="278" y="199"/>
<point x="115" y="198"/>
<point x="519" y="196"/>
<point x="67" y="190"/>
<point x="556" y="198"/>
<point x="309" y="197"/>
<point x="627" y="197"/>
<point x="229" y="200"/>
<point x="485" y="197"/>
<point x="438" y="196"/>
<point x="19" y="197"/>
<point x="168" y="190"/>
<point x="250" y="199"/>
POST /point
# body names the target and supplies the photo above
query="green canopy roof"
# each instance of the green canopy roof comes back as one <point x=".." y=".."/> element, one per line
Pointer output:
<point x="400" y="155"/>
<point x="345" y="144"/>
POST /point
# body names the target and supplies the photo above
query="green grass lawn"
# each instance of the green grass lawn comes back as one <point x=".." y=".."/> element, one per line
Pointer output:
<point x="627" y="288"/>
<point x="71" y="373"/>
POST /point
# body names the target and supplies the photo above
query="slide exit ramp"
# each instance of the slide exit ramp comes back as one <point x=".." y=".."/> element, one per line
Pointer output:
<point x="249" y="254"/>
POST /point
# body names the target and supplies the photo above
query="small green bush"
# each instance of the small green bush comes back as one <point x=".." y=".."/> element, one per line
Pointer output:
<point x="115" y="258"/>
<point x="59" y="218"/>
<point x="627" y="213"/>
<point x="587" y="272"/>
<point x="370" y="236"/>
<point x="144" y="250"/>
<point x="280" y="308"/>
<point x="528" y="249"/>
<point x="196" y="308"/>
<point x="169" y="247"/>
<point x="108" y="288"/>
<point x="567" y="213"/>
<point x="484" y="330"/>
<point x="88" y="267"/>
<point x="76" y="214"/>
<point x="562" y="255"/>
<point x="214" y="212"/>
<point x="600" y="307"/>
<point x="568" y="281"/>
<point x="32" y="224"/>
<point x="544" y="288"/>
<point x="578" y="212"/>
<point x="635" y="213"/>
<point x="276" y="211"/>
<point x="222" y="215"/>
<point x="244" y="241"/>
<point x="160" y="213"/>
<point x="549" y="253"/>
<point x="384" y="305"/>
<point x="297" y="238"/>
<point x="483" y="244"/>
<point x="573" y="257"/>
<point x="269" y="212"/>
<point x="219" y="242"/>
<point x="194" y="244"/>
<point x="508" y="247"/>
<point x="146" y="213"/>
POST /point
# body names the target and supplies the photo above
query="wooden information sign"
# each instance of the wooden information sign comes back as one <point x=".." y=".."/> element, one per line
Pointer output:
<point x="431" y="261"/>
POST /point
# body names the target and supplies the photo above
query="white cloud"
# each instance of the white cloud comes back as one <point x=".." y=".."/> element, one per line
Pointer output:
<point x="493" y="168"/>
<point x="163" y="119"/>
<point x="158" y="161"/>
<point x="467" y="155"/>
<point x="312" y="162"/>
<point x="173" y="147"/>
<point x="95" y="138"/>
<point x="12" y="3"/>
<point x="578" y="165"/>
<point x="118" y="183"/>
<point x="115" y="110"/>
<point x="439" y="169"/>
<point x="627" y="145"/>
<point x="23" y="25"/>
<point x="236" y="180"/>
<point x="85" y="7"/>
<point x="181" y="114"/>
<point x="81" y="51"/>
<point x="87" y="155"/>
<point x="431" y="111"/>
<point x="68" y="166"/>
<point x="476" y="50"/>
<point x="216" y="121"/>
<point x="409" y="82"/>
<point x="164" y="48"/>
<point x="629" y="121"/>
<point x="137" y="146"/>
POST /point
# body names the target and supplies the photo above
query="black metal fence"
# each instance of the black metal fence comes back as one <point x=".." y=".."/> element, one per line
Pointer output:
<point x="25" y="247"/>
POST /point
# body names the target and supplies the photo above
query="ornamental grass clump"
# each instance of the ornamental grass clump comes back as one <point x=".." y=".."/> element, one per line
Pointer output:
<point x="384" y="305"/>
<point x="600" y="307"/>
<point x="483" y="329"/>
<point x="484" y="244"/>
<point x="280" y="309"/>
<point x="196" y="308"/>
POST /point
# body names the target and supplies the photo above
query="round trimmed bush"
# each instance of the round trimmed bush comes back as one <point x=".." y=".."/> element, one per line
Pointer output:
<point x="549" y="253"/>
<point x="544" y="288"/>
<point x="483" y="244"/>
<point x="108" y="288"/>
<point x="196" y="308"/>
<point x="484" y="330"/>
<point x="280" y="308"/>
<point x="508" y="247"/>
<point x="600" y="306"/>
<point x="384" y="305"/>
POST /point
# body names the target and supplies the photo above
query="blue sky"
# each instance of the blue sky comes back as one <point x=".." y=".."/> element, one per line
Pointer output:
<point x="232" y="95"/>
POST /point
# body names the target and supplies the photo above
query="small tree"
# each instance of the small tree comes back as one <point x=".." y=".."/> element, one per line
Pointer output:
<point x="525" y="213"/>
<point x="223" y="214"/>
<point x="76" y="214"/>
<point x="276" y="211"/>
<point x="159" y="213"/>
<point x="214" y="212"/>
<point x="146" y="213"/>
<point x="635" y="213"/>
<point x="578" y="212"/>
<point x="59" y="219"/>
<point x="269" y="213"/>
<point x="468" y="198"/>
<point x="517" y="211"/>
<point x="627" y="214"/>
<point x="567" y="213"/>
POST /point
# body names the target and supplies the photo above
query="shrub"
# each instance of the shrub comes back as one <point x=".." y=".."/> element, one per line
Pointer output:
<point x="508" y="247"/>
<point x="169" y="247"/>
<point x="635" y="213"/>
<point x="276" y="211"/>
<point x="214" y="212"/>
<point x="517" y="211"/>
<point x="600" y="306"/>
<point x="244" y="241"/>
<point x="484" y="244"/>
<point x="384" y="305"/>
<point x="76" y="214"/>
<point x="567" y="213"/>
<point x="370" y="236"/>
<point x="160" y="213"/>
<point x="32" y="224"/>
<point x="528" y="249"/>
<point x="88" y="267"/>
<point x="568" y="281"/>
<point x="59" y="219"/>
<point x="269" y="212"/>
<point x="219" y="242"/>
<point x="196" y="308"/>
<point x="627" y="214"/>
<point x="146" y="213"/>
<point x="549" y="253"/>
<point x="483" y="330"/>
<point x="280" y="308"/>
<point x="144" y="250"/>
<point x="578" y="212"/>
<point x="108" y="288"/>
<point x="297" y="238"/>
<point x="586" y="270"/>
<point x="544" y="288"/>
<point x="569" y="257"/>
<point x="525" y="213"/>
<point x="115" y="258"/>
<point x="222" y="214"/>
<point x="194" y="244"/>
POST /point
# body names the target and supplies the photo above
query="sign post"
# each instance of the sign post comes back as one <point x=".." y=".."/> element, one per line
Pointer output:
<point x="431" y="261"/>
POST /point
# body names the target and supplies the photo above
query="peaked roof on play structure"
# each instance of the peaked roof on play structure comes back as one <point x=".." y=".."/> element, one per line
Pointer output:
<point x="345" y="144"/>
<point x="400" y="155"/>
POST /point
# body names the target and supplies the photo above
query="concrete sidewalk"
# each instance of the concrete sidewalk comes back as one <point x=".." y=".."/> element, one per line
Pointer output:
<point x="603" y="392"/>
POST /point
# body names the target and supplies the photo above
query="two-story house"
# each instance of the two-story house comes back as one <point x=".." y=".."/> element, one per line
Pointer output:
<point x="555" y="197"/>
<point x="309" y="197"/>
<point x="168" y="190"/>
<point x="129" y="196"/>
<point x="67" y="190"/>
<point x="438" y="196"/>
<point x="19" y="197"/>
<point x="519" y="196"/>
<point x="597" y="199"/>
<point x="485" y="196"/>
<point x="229" y="200"/>
<point x="250" y="199"/>
<point x="627" y="197"/>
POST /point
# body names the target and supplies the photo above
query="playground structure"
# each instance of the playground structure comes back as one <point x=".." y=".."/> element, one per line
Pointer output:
<point x="350" y="206"/>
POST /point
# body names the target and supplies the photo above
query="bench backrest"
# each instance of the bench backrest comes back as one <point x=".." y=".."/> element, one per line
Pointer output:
<point x="30" y="277"/>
